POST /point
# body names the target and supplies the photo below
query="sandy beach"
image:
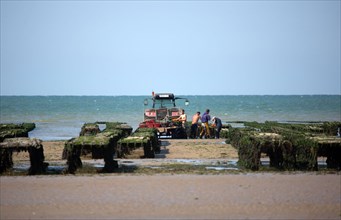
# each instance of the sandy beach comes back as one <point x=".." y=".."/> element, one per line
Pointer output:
<point x="245" y="195"/>
<point x="240" y="196"/>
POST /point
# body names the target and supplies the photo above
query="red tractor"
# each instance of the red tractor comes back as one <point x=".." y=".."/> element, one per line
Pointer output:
<point x="162" y="114"/>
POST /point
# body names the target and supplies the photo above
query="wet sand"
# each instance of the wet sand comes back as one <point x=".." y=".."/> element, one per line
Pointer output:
<point x="234" y="196"/>
<point x="254" y="195"/>
<point x="176" y="148"/>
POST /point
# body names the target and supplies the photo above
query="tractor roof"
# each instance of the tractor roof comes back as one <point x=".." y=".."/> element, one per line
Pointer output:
<point x="164" y="96"/>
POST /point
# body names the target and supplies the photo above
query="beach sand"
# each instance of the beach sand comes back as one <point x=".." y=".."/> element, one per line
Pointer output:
<point x="176" y="148"/>
<point x="254" y="195"/>
<point x="235" y="196"/>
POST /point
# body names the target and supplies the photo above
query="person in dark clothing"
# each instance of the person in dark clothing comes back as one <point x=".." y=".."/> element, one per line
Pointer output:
<point x="205" y="118"/>
<point x="218" y="125"/>
<point x="194" y="126"/>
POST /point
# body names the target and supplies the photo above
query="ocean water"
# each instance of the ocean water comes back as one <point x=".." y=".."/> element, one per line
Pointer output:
<point x="61" y="117"/>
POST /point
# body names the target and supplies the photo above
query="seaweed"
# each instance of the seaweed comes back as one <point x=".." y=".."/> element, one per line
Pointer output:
<point x="89" y="129"/>
<point x="146" y="138"/>
<point x="123" y="127"/>
<point x="289" y="146"/>
<point x="32" y="145"/>
<point x="15" y="130"/>
<point x="100" y="144"/>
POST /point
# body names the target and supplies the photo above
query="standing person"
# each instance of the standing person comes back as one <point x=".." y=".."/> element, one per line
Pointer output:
<point x="182" y="118"/>
<point x="217" y="124"/>
<point x="205" y="118"/>
<point x="194" y="126"/>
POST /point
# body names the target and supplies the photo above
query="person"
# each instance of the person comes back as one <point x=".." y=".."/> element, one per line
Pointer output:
<point x="205" y="118"/>
<point x="182" y="118"/>
<point x="194" y="126"/>
<point x="217" y="125"/>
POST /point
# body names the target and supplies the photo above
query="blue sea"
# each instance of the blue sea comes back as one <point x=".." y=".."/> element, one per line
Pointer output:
<point x="61" y="117"/>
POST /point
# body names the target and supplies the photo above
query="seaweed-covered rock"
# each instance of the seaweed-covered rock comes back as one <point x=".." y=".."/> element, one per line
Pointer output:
<point x="330" y="147"/>
<point x="289" y="146"/>
<point x="249" y="152"/>
<point x="15" y="130"/>
<point x="101" y="144"/>
<point x="125" y="128"/>
<point x="32" y="145"/>
<point x="89" y="129"/>
<point x="142" y="137"/>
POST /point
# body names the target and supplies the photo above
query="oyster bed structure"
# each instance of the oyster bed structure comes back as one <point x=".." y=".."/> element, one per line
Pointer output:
<point x="290" y="146"/>
<point x="14" y="138"/>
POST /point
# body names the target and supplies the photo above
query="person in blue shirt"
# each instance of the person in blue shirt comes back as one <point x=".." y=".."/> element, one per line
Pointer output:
<point x="205" y="118"/>
<point x="217" y="126"/>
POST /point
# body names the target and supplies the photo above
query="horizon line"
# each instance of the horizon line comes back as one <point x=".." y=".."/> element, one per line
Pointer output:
<point x="188" y="95"/>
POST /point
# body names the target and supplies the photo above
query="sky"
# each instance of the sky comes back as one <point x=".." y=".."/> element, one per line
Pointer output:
<point x="184" y="47"/>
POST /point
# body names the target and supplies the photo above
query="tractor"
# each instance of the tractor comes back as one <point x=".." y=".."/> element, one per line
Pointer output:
<point x="162" y="115"/>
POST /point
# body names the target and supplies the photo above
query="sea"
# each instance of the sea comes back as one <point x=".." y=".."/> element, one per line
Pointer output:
<point x="61" y="117"/>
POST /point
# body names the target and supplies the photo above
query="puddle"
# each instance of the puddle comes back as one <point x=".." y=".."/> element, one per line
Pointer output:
<point x="51" y="169"/>
<point x="98" y="165"/>
<point x="154" y="167"/>
<point x="156" y="164"/>
<point x="127" y="163"/>
<point x="207" y="162"/>
<point x="56" y="168"/>
<point x="19" y="168"/>
<point x="221" y="168"/>
<point x="194" y="162"/>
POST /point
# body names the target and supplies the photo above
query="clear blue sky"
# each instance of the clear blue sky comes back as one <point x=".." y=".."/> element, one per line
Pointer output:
<point x="184" y="47"/>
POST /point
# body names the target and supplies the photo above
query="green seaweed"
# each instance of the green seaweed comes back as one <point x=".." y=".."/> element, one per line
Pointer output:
<point x="146" y="138"/>
<point x="289" y="146"/>
<point x="15" y="130"/>
<point x="99" y="144"/>
<point x="34" y="148"/>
